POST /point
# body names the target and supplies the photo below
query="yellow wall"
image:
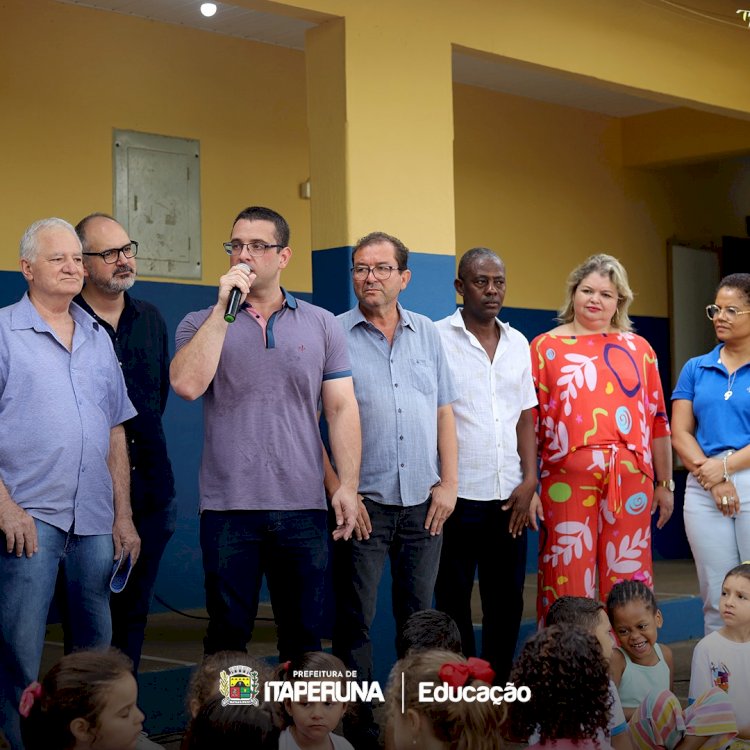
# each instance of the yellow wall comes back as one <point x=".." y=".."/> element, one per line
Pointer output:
<point x="542" y="185"/>
<point x="69" y="75"/>
<point x="649" y="46"/>
<point x="682" y="135"/>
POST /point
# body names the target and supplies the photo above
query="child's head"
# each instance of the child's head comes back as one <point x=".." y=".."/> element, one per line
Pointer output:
<point x="313" y="720"/>
<point x="457" y="725"/>
<point x="88" y="699"/>
<point x="428" y="629"/>
<point x="204" y="684"/>
<point x="232" y="725"/>
<point x="582" y="613"/>
<point x="635" y="618"/>
<point x="734" y="604"/>
<point x="563" y="669"/>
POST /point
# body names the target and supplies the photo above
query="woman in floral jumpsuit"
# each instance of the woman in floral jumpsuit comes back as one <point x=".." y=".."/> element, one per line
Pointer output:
<point x="603" y="438"/>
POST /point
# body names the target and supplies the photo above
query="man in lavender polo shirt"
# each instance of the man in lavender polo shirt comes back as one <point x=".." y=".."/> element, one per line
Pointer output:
<point x="262" y="502"/>
<point x="64" y="474"/>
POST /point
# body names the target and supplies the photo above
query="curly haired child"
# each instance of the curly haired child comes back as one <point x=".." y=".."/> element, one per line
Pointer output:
<point x="569" y="682"/>
<point x="590" y="616"/>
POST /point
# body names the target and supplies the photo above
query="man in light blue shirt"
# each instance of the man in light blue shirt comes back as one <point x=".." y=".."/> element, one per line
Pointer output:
<point x="64" y="473"/>
<point x="408" y="476"/>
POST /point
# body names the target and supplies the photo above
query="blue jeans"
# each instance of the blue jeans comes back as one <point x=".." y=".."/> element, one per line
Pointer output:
<point x="27" y="586"/>
<point x="477" y="537"/>
<point x="291" y="548"/>
<point x="398" y="532"/>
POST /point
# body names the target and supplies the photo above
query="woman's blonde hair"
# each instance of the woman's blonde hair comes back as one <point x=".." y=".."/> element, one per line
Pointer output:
<point x="609" y="266"/>
<point x="462" y="725"/>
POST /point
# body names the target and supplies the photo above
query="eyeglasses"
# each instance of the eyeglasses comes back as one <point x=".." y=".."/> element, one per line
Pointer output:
<point x="730" y="313"/>
<point x="111" y="256"/>
<point x="381" y="273"/>
<point x="255" y="248"/>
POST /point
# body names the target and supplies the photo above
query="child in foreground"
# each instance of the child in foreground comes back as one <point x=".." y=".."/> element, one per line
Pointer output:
<point x="643" y="672"/>
<point x="569" y="682"/>
<point x="309" y="725"/>
<point x="590" y="616"/>
<point x="204" y="683"/>
<point x="213" y="722"/>
<point x="428" y="629"/>
<point x="242" y="726"/>
<point x="460" y="725"/>
<point x="87" y="700"/>
<point x="722" y="659"/>
<point x="640" y="665"/>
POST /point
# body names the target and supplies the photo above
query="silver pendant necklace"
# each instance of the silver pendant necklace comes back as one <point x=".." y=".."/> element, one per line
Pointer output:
<point x="730" y="383"/>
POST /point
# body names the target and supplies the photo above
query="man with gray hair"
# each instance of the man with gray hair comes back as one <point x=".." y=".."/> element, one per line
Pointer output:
<point x="64" y="476"/>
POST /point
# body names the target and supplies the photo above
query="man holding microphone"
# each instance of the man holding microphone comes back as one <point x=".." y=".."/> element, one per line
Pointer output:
<point x="262" y="502"/>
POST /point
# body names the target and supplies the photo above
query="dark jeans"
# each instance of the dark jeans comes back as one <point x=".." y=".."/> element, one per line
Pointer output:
<point x="291" y="548"/>
<point x="131" y="606"/>
<point x="358" y="567"/>
<point x="477" y="536"/>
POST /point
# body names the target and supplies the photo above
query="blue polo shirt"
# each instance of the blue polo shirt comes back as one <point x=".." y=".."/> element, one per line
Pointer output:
<point x="261" y="446"/>
<point x="57" y="408"/>
<point x="721" y="424"/>
<point x="399" y="388"/>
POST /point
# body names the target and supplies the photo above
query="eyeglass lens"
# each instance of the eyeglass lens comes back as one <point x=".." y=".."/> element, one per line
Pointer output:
<point x="381" y="273"/>
<point x="128" y="251"/>
<point x="713" y="311"/>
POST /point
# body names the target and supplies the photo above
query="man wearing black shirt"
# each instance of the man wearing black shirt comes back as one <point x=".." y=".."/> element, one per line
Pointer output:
<point x="139" y="337"/>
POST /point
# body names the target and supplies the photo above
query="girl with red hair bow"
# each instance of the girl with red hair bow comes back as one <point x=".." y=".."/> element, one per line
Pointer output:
<point x="437" y="723"/>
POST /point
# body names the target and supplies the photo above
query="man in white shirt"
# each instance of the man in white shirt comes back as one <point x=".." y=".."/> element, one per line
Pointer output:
<point x="497" y="475"/>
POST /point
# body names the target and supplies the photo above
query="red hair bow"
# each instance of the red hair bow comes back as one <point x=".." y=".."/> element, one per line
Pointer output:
<point x="456" y="674"/>
<point x="32" y="693"/>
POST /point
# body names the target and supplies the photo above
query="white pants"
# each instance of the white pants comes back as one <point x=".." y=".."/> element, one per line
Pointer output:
<point x="718" y="542"/>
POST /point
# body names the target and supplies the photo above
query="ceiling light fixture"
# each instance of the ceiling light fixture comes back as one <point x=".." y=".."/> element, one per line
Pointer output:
<point x="208" y="9"/>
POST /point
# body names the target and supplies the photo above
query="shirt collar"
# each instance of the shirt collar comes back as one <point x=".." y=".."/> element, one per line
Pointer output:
<point x="356" y="317"/>
<point x="290" y="300"/>
<point x="25" y="316"/>
<point x="457" y="321"/>
<point x="712" y="360"/>
<point x="128" y="309"/>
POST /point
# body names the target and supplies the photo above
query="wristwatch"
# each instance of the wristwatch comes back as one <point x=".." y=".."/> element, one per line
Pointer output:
<point x="668" y="483"/>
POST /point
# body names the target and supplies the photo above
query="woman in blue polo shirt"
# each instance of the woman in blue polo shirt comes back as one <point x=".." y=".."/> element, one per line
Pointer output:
<point x="711" y="434"/>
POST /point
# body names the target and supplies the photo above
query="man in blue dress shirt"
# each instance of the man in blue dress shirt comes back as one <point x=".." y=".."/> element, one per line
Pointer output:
<point x="64" y="475"/>
<point x="408" y="476"/>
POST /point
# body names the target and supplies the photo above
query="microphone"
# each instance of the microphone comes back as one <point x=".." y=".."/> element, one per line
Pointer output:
<point x="233" y="305"/>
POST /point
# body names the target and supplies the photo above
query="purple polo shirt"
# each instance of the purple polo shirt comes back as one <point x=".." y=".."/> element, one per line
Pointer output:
<point x="261" y="445"/>
<point x="57" y="408"/>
